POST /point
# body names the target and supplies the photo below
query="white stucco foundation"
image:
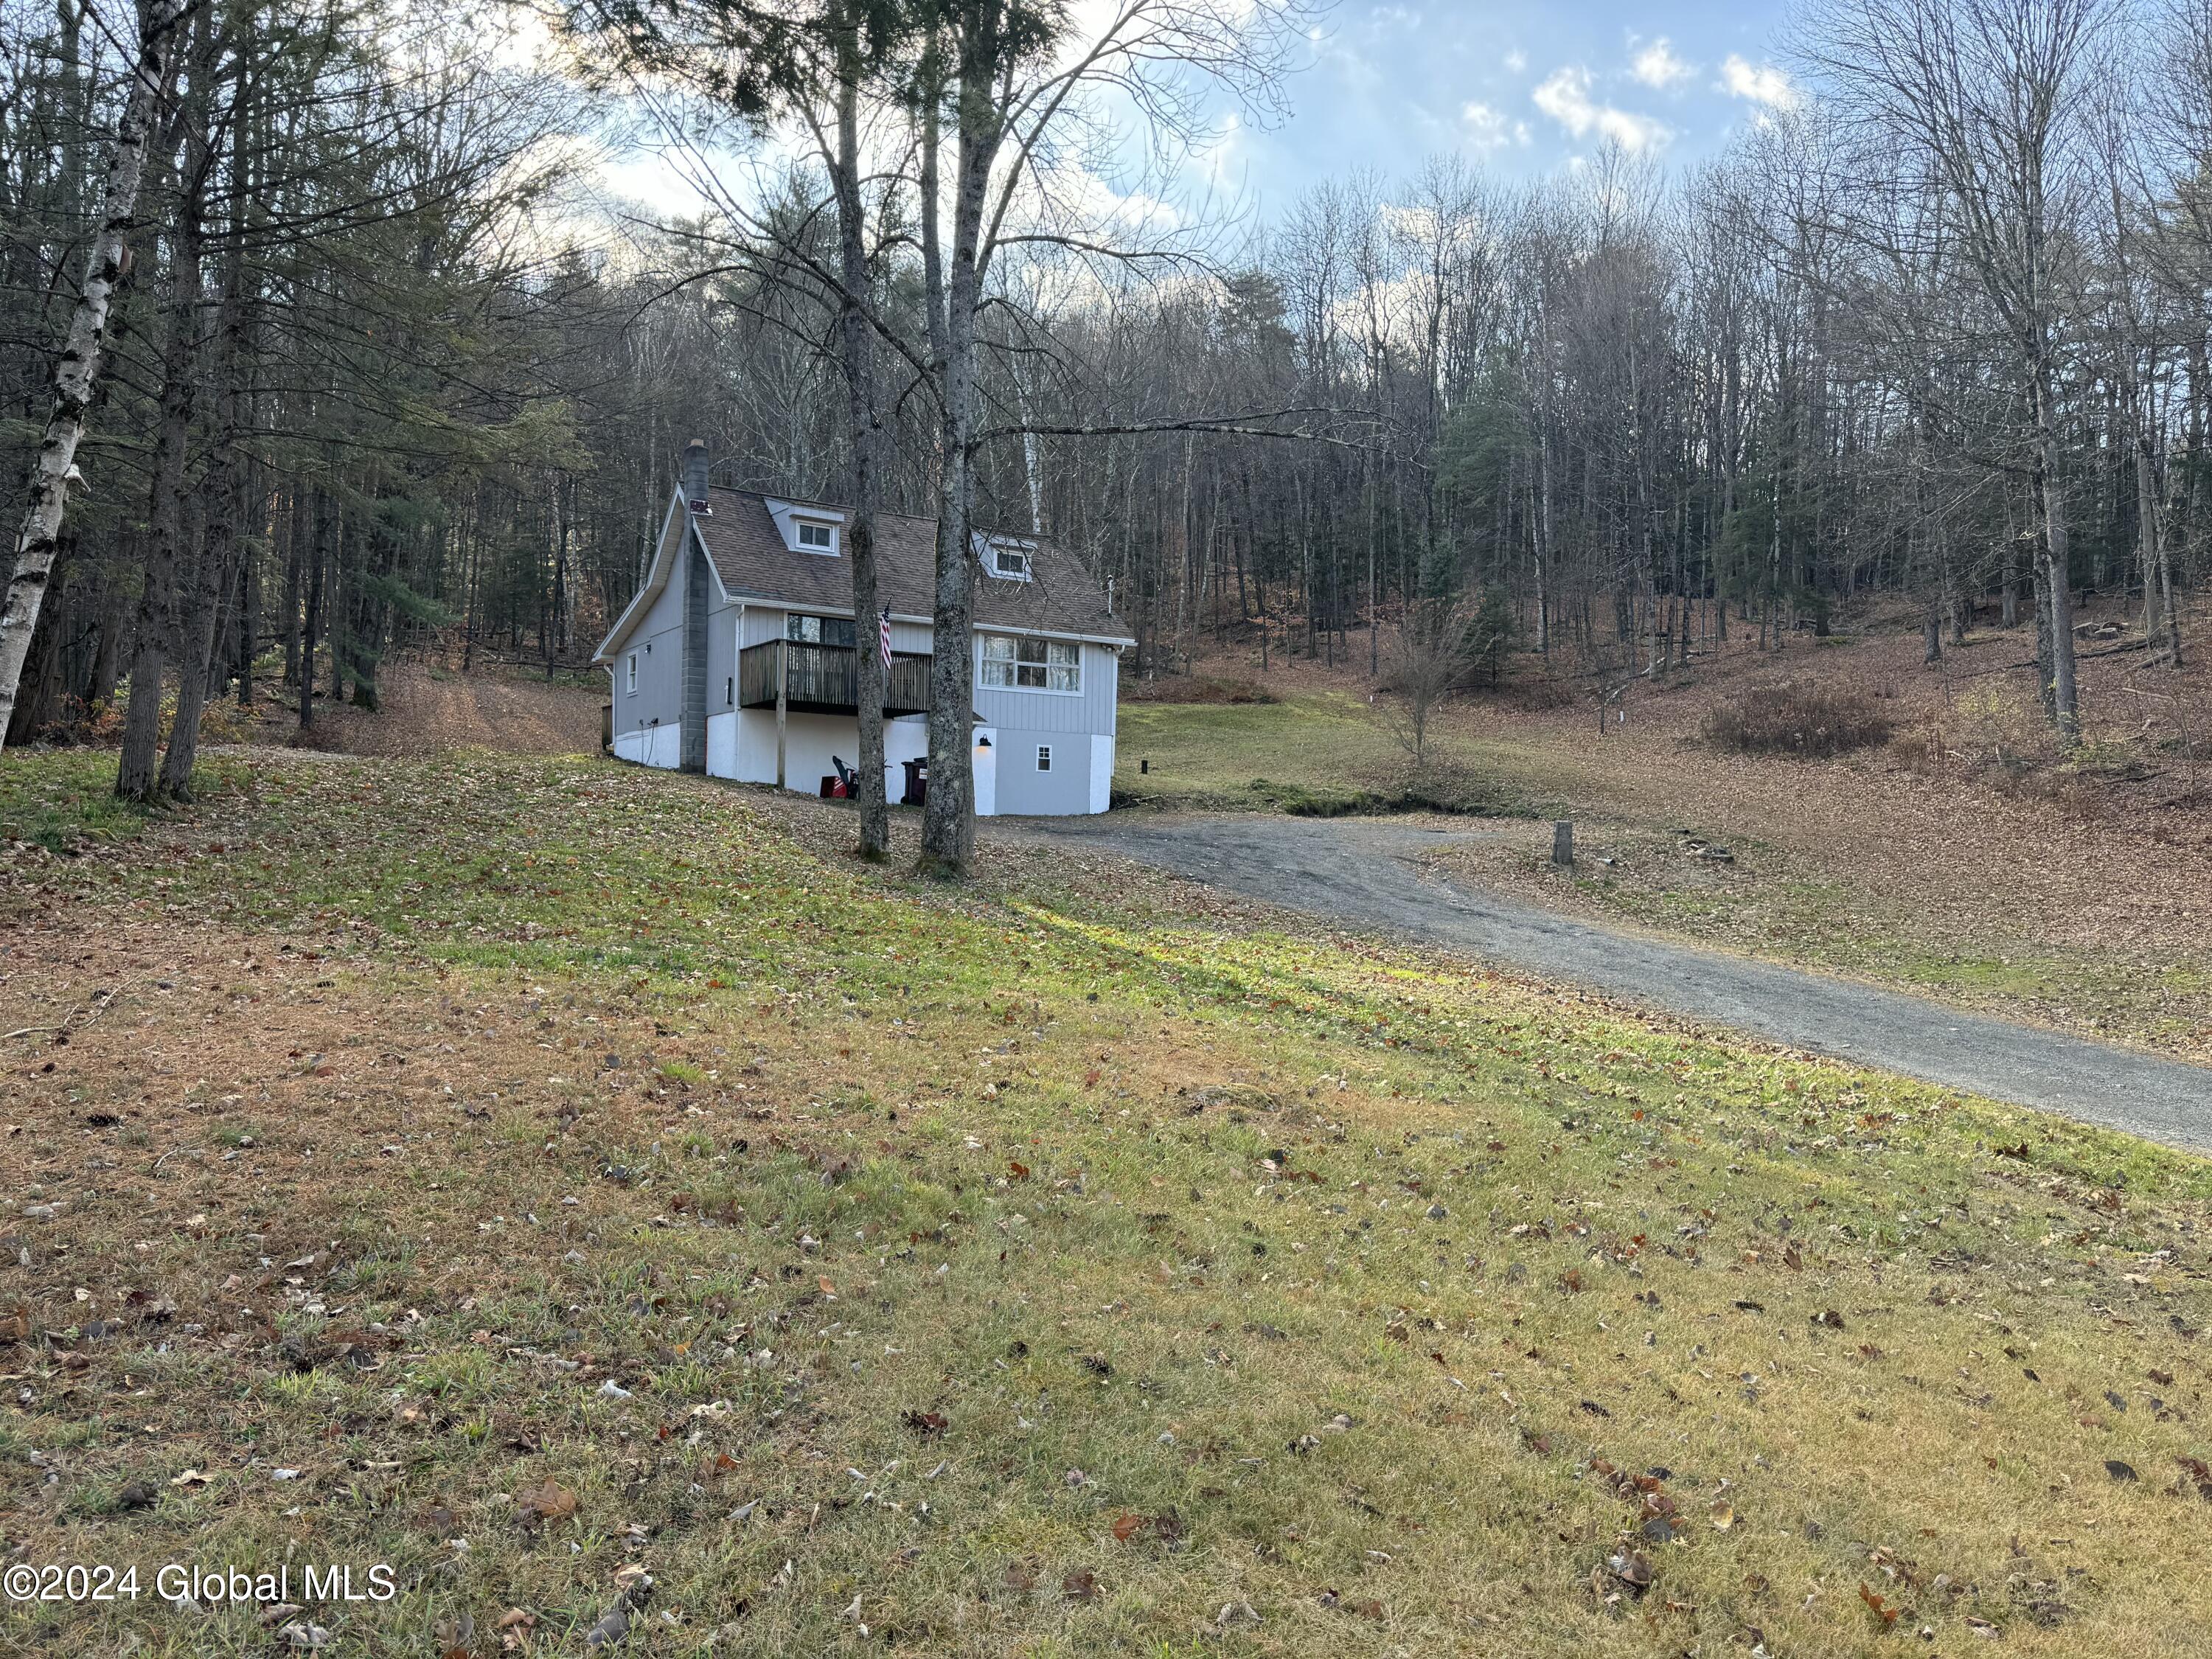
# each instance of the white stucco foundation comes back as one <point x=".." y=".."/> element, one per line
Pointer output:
<point x="652" y="745"/>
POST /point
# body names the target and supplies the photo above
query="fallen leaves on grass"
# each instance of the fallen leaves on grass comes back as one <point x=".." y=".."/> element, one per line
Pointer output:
<point x="548" y="1501"/>
<point x="1632" y="1569"/>
<point x="1167" y="1527"/>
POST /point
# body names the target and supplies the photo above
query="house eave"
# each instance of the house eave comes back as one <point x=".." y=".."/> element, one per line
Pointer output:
<point x="814" y="609"/>
<point x="656" y="581"/>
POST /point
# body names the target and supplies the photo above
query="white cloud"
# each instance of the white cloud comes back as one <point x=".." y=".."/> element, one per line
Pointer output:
<point x="1566" y="97"/>
<point x="1516" y="62"/>
<point x="1762" y="83"/>
<point x="1489" y="129"/>
<point x="1658" y="65"/>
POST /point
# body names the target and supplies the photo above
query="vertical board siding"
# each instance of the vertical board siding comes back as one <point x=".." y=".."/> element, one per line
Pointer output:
<point x="721" y="658"/>
<point x="1092" y="710"/>
<point x="763" y="623"/>
<point x="660" y="695"/>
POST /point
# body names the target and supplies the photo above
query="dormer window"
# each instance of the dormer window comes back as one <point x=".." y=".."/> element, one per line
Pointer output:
<point x="1009" y="560"/>
<point x="806" y="527"/>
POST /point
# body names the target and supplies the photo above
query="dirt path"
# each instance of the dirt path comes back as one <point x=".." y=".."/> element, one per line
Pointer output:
<point x="425" y="712"/>
<point x="1369" y="871"/>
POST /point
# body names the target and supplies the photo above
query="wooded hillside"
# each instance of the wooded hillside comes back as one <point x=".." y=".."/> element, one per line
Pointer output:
<point x="383" y="365"/>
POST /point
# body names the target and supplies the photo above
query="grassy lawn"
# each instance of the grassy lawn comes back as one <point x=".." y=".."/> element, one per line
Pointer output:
<point x="1319" y="753"/>
<point x="589" y="1195"/>
<point x="66" y="801"/>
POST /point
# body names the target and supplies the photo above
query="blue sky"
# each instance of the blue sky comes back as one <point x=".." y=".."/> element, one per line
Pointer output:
<point x="1523" y="87"/>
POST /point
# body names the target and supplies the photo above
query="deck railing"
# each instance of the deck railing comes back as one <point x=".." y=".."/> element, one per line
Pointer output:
<point x="825" y="679"/>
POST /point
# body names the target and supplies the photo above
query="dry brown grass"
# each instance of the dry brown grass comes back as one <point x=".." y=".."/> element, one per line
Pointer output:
<point x="426" y="710"/>
<point x="1197" y="689"/>
<point x="1966" y="837"/>
<point x="1797" y="717"/>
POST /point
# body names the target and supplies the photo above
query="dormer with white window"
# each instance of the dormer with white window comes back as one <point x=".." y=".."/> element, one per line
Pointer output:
<point x="1005" y="557"/>
<point x="806" y="528"/>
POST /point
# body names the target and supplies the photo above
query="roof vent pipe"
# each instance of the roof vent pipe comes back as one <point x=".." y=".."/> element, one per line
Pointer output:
<point x="694" y="477"/>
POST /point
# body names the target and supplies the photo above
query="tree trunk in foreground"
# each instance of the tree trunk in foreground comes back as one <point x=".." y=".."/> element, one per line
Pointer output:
<point x="77" y="369"/>
<point x="857" y="341"/>
<point x="948" y="829"/>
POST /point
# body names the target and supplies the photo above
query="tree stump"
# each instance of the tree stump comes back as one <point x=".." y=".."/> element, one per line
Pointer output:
<point x="1563" y="844"/>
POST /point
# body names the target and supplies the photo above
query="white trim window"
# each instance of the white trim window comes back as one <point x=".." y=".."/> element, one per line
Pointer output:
<point x="633" y="673"/>
<point x="807" y="527"/>
<point x="1044" y="757"/>
<point x="1009" y="561"/>
<point x="1018" y="663"/>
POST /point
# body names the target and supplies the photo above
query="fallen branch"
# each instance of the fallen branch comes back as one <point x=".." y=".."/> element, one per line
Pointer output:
<point x="2079" y="656"/>
<point x="77" y="1019"/>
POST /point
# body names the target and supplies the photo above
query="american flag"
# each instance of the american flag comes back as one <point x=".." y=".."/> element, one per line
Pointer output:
<point x="883" y="638"/>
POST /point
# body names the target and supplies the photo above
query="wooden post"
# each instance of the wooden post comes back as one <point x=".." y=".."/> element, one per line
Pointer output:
<point x="1563" y="844"/>
<point x="782" y="704"/>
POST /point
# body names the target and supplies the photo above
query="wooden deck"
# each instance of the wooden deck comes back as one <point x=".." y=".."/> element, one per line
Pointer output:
<point x="824" y="680"/>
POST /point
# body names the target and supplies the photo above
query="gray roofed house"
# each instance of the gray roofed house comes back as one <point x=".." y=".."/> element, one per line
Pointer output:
<point x="737" y="656"/>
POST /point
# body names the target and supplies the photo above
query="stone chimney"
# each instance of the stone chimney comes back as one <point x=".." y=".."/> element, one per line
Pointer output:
<point x="695" y="477"/>
<point x="691" y="740"/>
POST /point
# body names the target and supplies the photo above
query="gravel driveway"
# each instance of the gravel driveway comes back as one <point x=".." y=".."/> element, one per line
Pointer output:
<point x="1366" y="873"/>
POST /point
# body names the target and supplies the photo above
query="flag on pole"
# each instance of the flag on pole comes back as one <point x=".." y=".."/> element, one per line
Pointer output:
<point x="883" y="638"/>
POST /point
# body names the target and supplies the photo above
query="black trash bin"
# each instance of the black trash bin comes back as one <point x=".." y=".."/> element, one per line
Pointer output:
<point x="917" y="783"/>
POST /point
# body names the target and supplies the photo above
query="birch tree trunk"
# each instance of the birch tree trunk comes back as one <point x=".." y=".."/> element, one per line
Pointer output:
<point x="77" y="369"/>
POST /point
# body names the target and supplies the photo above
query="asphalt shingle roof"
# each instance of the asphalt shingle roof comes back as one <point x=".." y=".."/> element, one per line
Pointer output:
<point x="749" y="554"/>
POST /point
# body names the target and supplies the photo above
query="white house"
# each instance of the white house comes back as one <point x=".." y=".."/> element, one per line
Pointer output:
<point x="736" y="657"/>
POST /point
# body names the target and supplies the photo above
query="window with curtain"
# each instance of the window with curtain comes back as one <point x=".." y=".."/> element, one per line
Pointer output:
<point x="818" y="630"/>
<point x="1015" y="663"/>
